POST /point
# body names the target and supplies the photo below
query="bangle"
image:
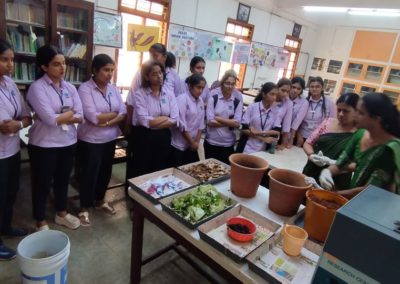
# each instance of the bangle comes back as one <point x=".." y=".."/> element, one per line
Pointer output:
<point x="21" y="124"/>
<point x="108" y="123"/>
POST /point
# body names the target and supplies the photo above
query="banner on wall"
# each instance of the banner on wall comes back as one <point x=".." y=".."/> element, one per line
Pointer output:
<point x="240" y="53"/>
<point x="282" y="59"/>
<point x="140" y="37"/>
<point x="203" y="45"/>
<point x="221" y="50"/>
<point x="258" y="54"/>
<point x="268" y="55"/>
<point x="181" y="43"/>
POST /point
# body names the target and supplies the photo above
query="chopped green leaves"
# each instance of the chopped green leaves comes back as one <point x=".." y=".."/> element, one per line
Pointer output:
<point x="200" y="203"/>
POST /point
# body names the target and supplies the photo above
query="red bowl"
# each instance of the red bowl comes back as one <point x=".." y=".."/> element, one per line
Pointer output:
<point x="239" y="236"/>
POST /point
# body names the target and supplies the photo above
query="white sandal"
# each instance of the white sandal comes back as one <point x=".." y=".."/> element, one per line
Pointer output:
<point x="84" y="219"/>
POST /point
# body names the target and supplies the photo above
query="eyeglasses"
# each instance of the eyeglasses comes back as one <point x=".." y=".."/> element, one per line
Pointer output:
<point x="228" y="84"/>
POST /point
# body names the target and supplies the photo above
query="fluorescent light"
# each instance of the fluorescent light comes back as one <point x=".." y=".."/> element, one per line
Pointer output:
<point x="374" y="12"/>
<point x="325" y="9"/>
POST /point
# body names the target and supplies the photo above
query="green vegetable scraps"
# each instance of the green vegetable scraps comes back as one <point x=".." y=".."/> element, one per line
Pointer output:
<point x="201" y="203"/>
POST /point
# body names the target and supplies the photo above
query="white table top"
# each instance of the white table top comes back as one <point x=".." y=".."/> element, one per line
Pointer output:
<point x="259" y="204"/>
<point x="251" y="92"/>
<point x="291" y="159"/>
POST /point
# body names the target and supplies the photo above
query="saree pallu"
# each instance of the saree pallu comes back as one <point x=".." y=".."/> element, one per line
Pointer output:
<point x="332" y="145"/>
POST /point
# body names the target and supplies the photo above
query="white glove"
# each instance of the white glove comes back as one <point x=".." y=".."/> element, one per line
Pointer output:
<point x="320" y="160"/>
<point x="312" y="181"/>
<point x="326" y="180"/>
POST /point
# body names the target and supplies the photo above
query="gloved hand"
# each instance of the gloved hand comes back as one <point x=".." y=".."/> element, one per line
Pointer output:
<point x="320" y="160"/>
<point x="313" y="182"/>
<point x="326" y="179"/>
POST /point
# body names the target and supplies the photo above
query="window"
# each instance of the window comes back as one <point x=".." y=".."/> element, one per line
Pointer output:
<point x="292" y="45"/>
<point x="236" y="31"/>
<point x="140" y="12"/>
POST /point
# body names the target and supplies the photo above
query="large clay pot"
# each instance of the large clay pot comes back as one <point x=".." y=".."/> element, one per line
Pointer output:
<point x="246" y="174"/>
<point x="287" y="190"/>
<point x="318" y="218"/>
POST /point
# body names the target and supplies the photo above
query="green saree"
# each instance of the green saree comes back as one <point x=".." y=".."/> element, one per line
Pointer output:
<point x="379" y="165"/>
<point x="332" y="145"/>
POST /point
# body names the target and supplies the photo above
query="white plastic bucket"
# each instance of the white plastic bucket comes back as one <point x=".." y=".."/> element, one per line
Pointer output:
<point x="43" y="257"/>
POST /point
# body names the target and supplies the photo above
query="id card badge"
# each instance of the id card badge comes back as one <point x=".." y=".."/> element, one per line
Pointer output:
<point x="64" y="127"/>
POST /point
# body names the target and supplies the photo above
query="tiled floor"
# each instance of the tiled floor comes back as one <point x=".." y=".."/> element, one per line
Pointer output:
<point x="101" y="253"/>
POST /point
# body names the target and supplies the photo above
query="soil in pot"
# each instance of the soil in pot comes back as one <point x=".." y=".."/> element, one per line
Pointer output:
<point x="321" y="207"/>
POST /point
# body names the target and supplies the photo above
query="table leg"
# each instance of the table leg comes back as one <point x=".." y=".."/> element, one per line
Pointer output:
<point x="136" y="245"/>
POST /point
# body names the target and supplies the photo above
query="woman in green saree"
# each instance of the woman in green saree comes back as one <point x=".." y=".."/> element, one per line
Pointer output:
<point x="326" y="143"/>
<point x="375" y="148"/>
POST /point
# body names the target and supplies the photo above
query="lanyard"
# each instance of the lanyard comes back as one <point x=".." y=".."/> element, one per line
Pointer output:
<point x="13" y="101"/>
<point x="262" y="124"/>
<point x="108" y="101"/>
<point x="60" y="95"/>
<point x="313" y="109"/>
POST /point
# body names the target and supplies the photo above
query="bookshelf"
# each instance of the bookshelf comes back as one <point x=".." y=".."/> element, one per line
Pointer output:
<point x="73" y="34"/>
<point x="24" y="23"/>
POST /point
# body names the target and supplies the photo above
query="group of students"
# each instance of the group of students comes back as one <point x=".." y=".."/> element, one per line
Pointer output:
<point x="164" y="118"/>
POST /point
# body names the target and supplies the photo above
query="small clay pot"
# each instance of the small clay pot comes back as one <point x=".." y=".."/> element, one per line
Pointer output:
<point x="318" y="218"/>
<point x="287" y="190"/>
<point x="246" y="174"/>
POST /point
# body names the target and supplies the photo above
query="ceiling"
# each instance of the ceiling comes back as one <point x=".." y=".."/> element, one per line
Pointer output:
<point x="293" y="9"/>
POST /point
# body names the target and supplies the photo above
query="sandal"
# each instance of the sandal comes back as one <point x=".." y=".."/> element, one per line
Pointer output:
<point x="84" y="218"/>
<point x="106" y="207"/>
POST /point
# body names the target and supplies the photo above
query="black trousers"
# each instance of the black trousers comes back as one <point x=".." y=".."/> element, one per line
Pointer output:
<point x="9" y="186"/>
<point x="218" y="152"/>
<point x="95" y="161"/>
<point x="180" y="157"/>
<point x="151" y="150"/>
<point x="50" y="167"/>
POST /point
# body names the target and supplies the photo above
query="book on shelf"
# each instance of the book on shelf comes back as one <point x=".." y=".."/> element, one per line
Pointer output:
<point x="74" y="74"/>
<point x="24" y="41"/>
<point x="72" y="49"/>
<point x="25" y="12"/>
<point x="24" y="71"/>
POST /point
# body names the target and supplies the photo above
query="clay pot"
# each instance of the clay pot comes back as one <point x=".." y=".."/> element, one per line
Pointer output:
<point x="246" y="174"/>
<point x="318" y="218"/>
<point x="287" y="190"/>
<point x="294" y="239"/>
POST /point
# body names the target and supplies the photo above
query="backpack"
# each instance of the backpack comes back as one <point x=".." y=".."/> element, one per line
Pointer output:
<point x="235" y="103"/>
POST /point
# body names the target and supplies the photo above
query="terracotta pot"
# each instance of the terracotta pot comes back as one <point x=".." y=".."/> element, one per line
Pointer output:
<point x="294" y="239"/>
<point x="287" y="190"/>
<point x="246" y="174"/>
<point x="318" y="218"/>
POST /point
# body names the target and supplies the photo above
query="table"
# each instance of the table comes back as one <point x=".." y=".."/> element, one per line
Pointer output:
<point x="251" y="92"/>
<point x="291" y="159"/>
<point x="234" y="272"/>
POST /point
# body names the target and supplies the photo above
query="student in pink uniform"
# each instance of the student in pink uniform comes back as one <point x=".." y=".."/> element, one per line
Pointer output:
<point x="217" y="90"/>
<point x="103" y="110"/>
<point x="319" y="108"/>
<point x="285" y="108"/>
<point x="224" y="114"/>
<point x="13" y="117"/>
<point x="156" y="111"/>
<point x="260" y="118"/>
<point x="198" y="66"/>
<point x="300" y="106"/>
<point x="186" y="136"/>
<point x="53" y="136"/>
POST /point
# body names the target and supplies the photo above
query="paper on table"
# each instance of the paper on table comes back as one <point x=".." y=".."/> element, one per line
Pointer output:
<point x="220" y="235"/>
<point x="163" y="186"/>
<point x="287" y="269"/>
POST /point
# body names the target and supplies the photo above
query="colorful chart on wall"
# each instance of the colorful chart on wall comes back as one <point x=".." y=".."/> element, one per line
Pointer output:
<point x="282" y="58"/>
<point x="140" y="38"/>
<point x="221" y="50"/>
<point x="203" y="45"/>
<point x="181" y="42"/>
<point x="107" y="29"/>
<point x="258" y="54"/>
<point x="240" y="53"/>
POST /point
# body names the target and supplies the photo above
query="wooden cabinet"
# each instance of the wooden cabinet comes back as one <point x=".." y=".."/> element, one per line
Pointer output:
<point x="24" y="23"/>
<point x="365" y="71"/>
<point x="29" y="24"/>
<point x="72" y="32"/>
